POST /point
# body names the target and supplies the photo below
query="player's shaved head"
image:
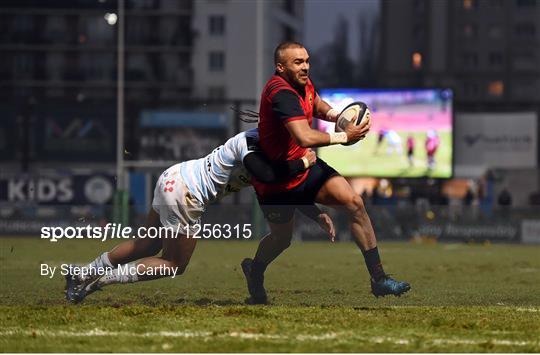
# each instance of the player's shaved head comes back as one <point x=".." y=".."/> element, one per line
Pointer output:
<point x="292" y="63"/>
<point x="280" y="50"/>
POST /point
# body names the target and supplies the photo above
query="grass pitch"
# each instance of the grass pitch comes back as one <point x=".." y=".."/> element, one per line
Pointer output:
<point x="464" y="298"/>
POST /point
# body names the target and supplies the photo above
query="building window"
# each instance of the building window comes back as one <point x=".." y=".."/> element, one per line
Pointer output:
<point x="288" y="33"/>
<point x="23" y="65"/>
<point x="470" y="88"/>
<point x="525" y="29"/>
<point x="496" y="4"/>
<point x="495" y="59"/>
<point x="216" y="61"/>
<point x="524" y="61"/>
<point x="418" y="32"/>
<point x="419" y="6"/>
<point x="496" y="88"/>
<point x="417" y="60"/>
<point x="526" y="88"/>
<point x="526" y="3"/>
<point x="470" y="59"/>
<point x="469" y="4"/>
<point x="136" y="4"/>
<point x="216" y="92"/>
<point x="470" y="30"/>
<point x="216" y="25"/>
<point x="495" y="32"/>
<point x="288" y="6"/>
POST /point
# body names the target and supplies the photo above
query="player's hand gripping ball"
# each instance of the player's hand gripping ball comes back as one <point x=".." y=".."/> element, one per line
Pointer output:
<point x="355" y="113"/>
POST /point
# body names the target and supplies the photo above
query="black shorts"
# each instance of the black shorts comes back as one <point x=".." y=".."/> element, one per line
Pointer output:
<point x="279" y="208"/>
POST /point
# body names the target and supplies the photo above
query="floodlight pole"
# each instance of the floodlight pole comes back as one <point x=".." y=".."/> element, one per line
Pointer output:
<point x="257" y="220"/>
<point x="259" y="50"/>
<point x="120" y="100"/>
<point x="121" y="198"/>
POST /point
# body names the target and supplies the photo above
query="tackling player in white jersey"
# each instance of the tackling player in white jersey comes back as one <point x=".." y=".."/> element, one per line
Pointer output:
<point x="180" y="197"/>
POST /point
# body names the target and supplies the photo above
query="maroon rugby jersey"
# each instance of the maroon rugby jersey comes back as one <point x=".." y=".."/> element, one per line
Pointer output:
<point x="282" y="103"/>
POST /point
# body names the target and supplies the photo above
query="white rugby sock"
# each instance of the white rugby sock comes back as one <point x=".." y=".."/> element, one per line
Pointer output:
<point x="101" y="261"/>
<point x="98" y="263"/>
<point x="122" y="275"/>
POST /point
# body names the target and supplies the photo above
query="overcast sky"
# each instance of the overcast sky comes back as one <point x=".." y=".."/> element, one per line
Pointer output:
<point x="322" y="15"/>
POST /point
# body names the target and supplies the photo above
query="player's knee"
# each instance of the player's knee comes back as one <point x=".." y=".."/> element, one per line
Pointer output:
<point x="181" y="269"/>
<point x="176" y="262"/>
<point x="147" y="247"/>
<point x="154" y="249"/>
<point x="284" y="241"/>
<point x="285" y="244"/>
<point x="356" y="205"/>
<point x="179" y="266"/>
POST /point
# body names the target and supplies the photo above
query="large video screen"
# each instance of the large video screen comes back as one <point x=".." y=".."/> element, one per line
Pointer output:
<point x="410" y="136"/>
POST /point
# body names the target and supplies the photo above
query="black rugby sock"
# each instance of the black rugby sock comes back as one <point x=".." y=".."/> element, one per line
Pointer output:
<point x="373" y="263"/>
<point x="258" y="267"/>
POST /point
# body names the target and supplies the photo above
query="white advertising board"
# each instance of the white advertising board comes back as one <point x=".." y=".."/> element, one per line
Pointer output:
<point x="494" y="140"/>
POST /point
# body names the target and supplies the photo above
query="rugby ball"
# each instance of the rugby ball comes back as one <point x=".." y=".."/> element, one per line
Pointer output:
<point x="355" y="113"/>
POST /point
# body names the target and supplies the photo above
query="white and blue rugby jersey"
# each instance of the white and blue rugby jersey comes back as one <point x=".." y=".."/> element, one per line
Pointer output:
<point x="220" y="172"/>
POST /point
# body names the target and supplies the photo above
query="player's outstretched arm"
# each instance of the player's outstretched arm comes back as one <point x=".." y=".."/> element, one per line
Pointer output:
<point x="267" y="171"/>
<point x="307" y="137"/>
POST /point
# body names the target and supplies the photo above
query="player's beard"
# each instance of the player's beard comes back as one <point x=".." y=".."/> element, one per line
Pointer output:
<point x="294" y="78"/>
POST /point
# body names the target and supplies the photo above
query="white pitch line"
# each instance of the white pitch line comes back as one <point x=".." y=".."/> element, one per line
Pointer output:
<point x="255" y="336"/>
<point x="534" y="310"/>
<point x="261" y="336"/>
<point x="327" y="336"/>
<point x="105" y="333"/>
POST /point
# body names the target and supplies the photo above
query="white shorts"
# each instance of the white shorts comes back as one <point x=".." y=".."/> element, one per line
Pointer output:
<point x="176" y="206"/>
